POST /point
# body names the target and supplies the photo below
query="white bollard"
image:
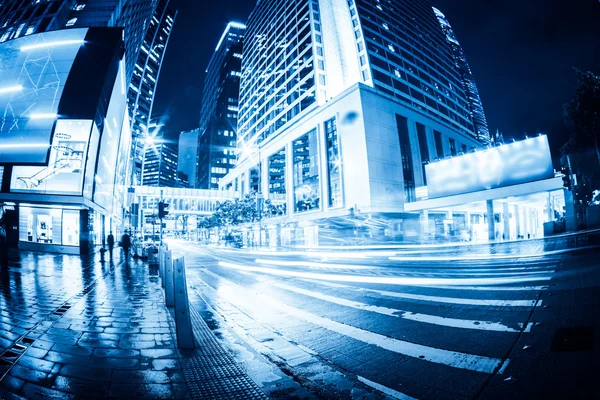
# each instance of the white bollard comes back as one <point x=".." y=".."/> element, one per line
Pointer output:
<point x="161" y="266"/>
<point x="183" y="322"/>
<point x="169" y="288"/>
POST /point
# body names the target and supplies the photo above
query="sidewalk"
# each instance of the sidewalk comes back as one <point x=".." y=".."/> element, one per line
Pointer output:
<point x="74" y="328"/>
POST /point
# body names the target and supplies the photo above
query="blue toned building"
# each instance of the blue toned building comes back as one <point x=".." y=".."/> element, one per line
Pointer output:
<point x="475" y="105"/>
<point x="341" y="105"/>
<point x="219" y="114"/>
<point x="147" y="26"/>
<point x="64" y="138"/>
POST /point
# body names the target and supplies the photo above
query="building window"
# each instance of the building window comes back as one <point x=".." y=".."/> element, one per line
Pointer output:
<point x="71" y="22"/>
<point x="334" y="164"/>
<point x="307" y="193"/>
<point x="452" y="146"/>
<point x="424" y="150"/>
<point x="406" y="156"/>
<point x="255" y="179"/>
<point x="276" y="205"/>
<point x="439" y="148"/>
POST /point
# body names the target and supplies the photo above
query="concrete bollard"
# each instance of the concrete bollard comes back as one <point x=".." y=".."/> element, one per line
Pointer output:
<point x="168" y="271"/>
<point x="161" y="266"/>
<point x="183" y="322"/>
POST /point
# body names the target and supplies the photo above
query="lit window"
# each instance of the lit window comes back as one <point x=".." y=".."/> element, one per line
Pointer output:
<point x="386" y="26"/>
<point x="71" y="22"/>
<point x="391" y="47"/>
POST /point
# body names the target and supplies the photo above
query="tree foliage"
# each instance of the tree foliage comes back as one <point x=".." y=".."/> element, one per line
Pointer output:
<point x="230" y="213"/>
<point x="582" y="114"/>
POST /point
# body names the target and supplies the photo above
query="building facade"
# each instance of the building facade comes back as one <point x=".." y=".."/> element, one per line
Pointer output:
<point x="64" y="138"/>
<point x="160" y="165"/>
<point x="218" y="118"/>
<point x="342" y="103"/>
<point x="144" y="80"/>
<point x="147" y="27"/>
<point x="187" y="155"/>
<point x="469" y="85"/>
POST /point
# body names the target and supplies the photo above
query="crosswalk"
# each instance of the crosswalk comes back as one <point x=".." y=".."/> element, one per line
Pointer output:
<point x="446" y="320"/>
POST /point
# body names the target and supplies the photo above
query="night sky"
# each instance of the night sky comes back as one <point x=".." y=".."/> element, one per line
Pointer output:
<point x="521" y="54"/>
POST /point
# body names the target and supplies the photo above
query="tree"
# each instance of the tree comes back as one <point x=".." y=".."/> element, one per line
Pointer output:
<point x="582" y="115"/>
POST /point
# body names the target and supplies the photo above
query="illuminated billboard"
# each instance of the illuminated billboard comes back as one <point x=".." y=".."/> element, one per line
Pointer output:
<point x="509" y="164"/>
<point x="33" y="73"/>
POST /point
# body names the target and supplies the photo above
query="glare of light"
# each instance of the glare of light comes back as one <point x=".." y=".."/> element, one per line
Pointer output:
<point x="11" y="89"/>
<point x="391" y="280"/>
<point x="43" y="116"/>
<point x="24" y="145"/>
<point x="235" y="25"/>
<point x="51" y="44"/>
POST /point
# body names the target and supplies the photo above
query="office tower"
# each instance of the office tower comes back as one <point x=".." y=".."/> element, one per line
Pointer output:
<point x="475" y="105"/>
<point x="64" y="138"/>
<point x="160" y="165"/>
<point x="187" y="156"/>
<point x="147" y="27"/>
<point x="218" y="118"/>
<point x="144" y="80"/>
<point x="342" y="103"/>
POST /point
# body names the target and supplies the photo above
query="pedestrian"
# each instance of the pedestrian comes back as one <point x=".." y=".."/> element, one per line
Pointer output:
<point x="3" y="245"/>
<point x="110" y="240"/>
<point x="126" y="244"/>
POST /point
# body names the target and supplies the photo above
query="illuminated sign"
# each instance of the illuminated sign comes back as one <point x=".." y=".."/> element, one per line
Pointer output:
<point x="510" y="164"/>
<point x="33" y="73"/>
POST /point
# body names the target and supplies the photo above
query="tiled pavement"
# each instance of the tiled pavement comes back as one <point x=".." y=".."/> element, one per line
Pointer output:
<point x="76" y="328"/>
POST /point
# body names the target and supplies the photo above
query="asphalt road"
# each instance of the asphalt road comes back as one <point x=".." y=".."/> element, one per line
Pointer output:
<point x="405" y="323"/>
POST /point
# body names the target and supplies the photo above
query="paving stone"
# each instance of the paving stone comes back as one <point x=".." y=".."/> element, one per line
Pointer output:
<point x="65" y="358"/>
<point x="32" y="391"/>
<point x="141" y="391"/>
<point x="35" y="363"/>
<point x="114" y="363"/>
<point x="27" y="374"/>
<point x="95" y="374"/>
<point x="75" y="350"/>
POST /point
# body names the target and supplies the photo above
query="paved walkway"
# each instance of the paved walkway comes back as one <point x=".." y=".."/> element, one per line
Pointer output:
<point x="75" y="328"/>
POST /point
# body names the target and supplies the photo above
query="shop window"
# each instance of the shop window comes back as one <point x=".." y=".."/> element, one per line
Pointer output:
<point x="307" y="193"/>
<point x="276" y="204"/>
<point x="70" y="228"/>
<point x="334" y="164"/>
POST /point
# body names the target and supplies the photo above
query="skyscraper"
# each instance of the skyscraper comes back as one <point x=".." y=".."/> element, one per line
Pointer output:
<point x="160" y="165"/>
<point x="218" y="118"/>
<point x="147" y="27"/>
<point x="144" y="80"/>
<point x="475" y="105"/>
<point x="187" y="155"/>
<point x="342" y="103"/>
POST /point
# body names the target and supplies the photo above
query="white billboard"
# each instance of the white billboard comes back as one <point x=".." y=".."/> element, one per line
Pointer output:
<point x="509" y="164"/>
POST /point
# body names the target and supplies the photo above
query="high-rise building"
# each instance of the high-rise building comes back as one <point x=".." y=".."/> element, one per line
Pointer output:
<point x="475" y="105"/>
<point x="160" y="165"/>
<point x="218" y="118"/>
<point x="147" y="27"/>
<point x="145" y="80"/>
<point x="342" y="103"/>
<point x="187" y="155"/>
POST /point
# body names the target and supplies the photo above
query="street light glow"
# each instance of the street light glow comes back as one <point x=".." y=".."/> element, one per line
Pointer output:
<point x="11" y="89"/>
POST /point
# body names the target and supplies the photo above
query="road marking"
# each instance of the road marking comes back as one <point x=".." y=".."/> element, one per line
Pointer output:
<point x="437" y="299"/>
<point x="496" y="288"/>
<point x="311" y="264"/>
<point x="384" y="389"/>
<point x="449" y="358"/>
<point x="409" y="281"/>
<point x="392" y="312"/>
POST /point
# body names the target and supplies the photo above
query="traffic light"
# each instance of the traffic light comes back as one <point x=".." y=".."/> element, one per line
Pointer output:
<point x="566" y="178"/>
<point x="162" y="209"/>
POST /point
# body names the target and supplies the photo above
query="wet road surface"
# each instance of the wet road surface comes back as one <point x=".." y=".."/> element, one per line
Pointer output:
<point x="398" y="324"/>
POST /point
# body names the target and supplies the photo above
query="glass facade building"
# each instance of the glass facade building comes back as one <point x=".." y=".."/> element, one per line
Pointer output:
<point x="65" y="137"/>
<point x="187" y="155"/>
<point x="475" y="105"/>
<point x="342" y="102"/>
<point x="147" y="27"/>
<point x="144" y="80"/>
<point x="219" y="114"/>
<point x="160" y="165"/>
